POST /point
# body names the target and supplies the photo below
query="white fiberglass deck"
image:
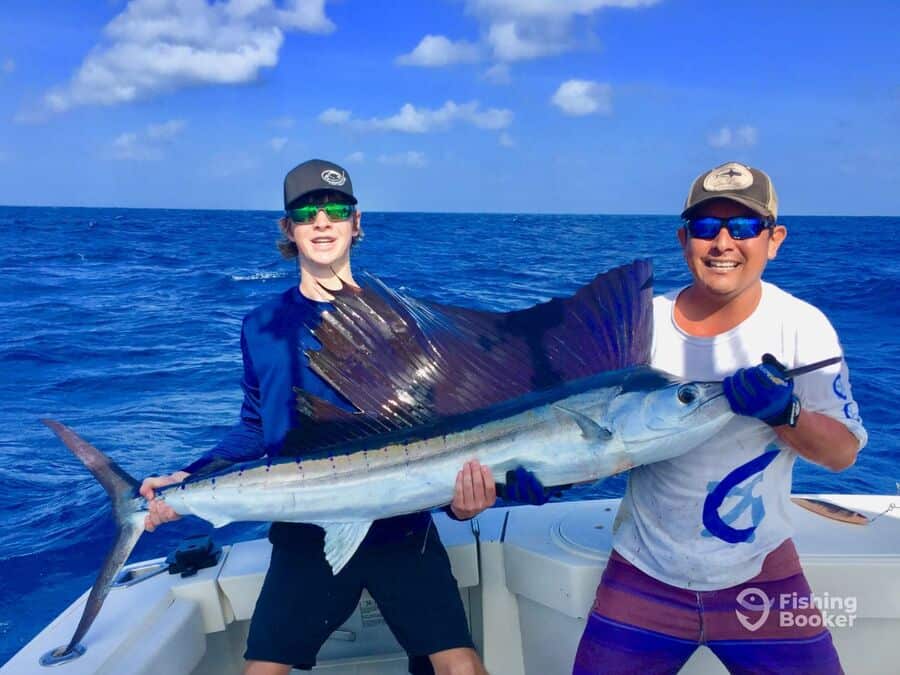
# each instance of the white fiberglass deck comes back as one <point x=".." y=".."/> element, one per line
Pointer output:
<point x="527" y="577"/>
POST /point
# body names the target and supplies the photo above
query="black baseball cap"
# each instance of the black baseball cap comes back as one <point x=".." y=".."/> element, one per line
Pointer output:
<point x="737" y="182"/>
<point x="315" y="175"/>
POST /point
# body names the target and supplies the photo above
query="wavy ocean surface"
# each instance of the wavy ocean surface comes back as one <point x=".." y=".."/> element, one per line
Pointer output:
<point x="124" y="324"/>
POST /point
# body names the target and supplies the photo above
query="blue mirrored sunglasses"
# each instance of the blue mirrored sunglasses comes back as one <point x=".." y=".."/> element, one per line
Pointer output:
<point x="739" y="227"/>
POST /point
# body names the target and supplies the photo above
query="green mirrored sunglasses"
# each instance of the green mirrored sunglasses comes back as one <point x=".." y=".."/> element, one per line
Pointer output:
<point x="334" y="212"/>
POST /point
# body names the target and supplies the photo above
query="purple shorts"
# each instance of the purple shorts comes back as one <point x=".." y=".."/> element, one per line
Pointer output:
<point x="641" y="625"/>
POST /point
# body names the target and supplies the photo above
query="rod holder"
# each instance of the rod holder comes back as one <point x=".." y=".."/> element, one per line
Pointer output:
<point x="55" y="658"/>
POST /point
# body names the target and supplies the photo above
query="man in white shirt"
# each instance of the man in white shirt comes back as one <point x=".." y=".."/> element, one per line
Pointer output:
<point x="704" y="539"/>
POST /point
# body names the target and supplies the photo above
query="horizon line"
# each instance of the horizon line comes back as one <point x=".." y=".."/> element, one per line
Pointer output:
<point x="493" y="213"/>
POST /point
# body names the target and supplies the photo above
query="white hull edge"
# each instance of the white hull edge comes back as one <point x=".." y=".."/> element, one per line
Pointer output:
<point x="527" y="586"/>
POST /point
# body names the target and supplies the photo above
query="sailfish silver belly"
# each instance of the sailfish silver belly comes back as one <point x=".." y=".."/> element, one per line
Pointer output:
<point x="580" y="432"/>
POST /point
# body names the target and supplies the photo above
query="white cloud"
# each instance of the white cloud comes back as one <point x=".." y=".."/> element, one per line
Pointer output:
<point x="548" y="9"/>
<point x="506" y="141"/>
<point x="146" y="145"/>
<point x="165" y="131"/>
<point x="435" y="51"/>
<point x="334" y="116"/>
<point x="744" y="136"/>
<point x="516" y="40"/>
<point x="721" y="138"/>
<point x="127" y="146"/>
<point x="8" y="66"/>
<point x="356" y="157"/>
<point x="498" y="74"/>
<point x="156" y="46"/>
<point x="277" y="144"/>
<point x="412" y="159"/>
<point x="305" y="15"/>
<point x="226" y="165"/>
<point x="518" y="30"/>
<point x="285" y="122"/>
<point x="412" y="120"/>
<point x="583" y="97"/>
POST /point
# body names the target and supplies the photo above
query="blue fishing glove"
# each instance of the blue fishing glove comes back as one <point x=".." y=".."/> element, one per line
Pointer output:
<point x="522" y="486"/>
<point x="764" y="392"/>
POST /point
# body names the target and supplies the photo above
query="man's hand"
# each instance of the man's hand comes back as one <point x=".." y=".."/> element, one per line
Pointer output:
<point x="475" y="491"/>
<point x="159" y="512"/>
<point x="763" y="392"/>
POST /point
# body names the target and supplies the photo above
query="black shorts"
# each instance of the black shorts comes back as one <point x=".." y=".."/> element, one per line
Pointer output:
<point x="302" y="602"/>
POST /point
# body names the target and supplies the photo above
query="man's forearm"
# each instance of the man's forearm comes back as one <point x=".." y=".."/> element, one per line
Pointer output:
<point x="821" y="439"/>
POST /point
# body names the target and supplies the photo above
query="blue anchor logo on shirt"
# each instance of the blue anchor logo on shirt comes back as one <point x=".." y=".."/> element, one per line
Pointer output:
<point x="730" y="486"/>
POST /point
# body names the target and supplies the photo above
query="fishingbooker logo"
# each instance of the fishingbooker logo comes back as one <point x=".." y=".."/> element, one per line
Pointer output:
<point x="753" y="600"/>
<point x="795" y="609"/>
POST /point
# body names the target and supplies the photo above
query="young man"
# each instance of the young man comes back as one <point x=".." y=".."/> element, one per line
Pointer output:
<point x="402" y="561"/>
<point x="703" y="541"/>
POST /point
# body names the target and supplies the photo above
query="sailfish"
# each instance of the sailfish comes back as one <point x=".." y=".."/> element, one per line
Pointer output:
<point x="562" y="389"/>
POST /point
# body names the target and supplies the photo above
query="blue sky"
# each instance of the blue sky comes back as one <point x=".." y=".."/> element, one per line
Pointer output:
<point x="579" y="106"/>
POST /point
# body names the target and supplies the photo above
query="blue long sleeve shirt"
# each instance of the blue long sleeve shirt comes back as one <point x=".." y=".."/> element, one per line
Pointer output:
<point x="274" y="339"/>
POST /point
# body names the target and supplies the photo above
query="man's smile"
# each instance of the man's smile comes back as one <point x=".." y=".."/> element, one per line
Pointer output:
<point x="721" y="264"/>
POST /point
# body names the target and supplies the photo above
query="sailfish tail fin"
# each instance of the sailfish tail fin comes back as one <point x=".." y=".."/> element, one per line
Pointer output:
<point x="122" y="490"/>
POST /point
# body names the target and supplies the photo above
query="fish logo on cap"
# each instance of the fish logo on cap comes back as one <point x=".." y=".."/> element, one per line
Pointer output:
<point x="731" y="176"/>
<point x="332" y="177"/>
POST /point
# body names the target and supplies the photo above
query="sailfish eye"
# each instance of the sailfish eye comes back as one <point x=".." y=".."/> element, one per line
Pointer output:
<point x="687" y="394"/>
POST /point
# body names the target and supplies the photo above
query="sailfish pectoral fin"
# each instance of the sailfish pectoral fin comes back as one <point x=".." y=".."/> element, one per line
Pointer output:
<point x="589" y="428"/>
<point x="342" y="540"/>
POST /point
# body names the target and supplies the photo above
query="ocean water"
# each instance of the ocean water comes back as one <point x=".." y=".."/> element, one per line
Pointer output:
<point x="124" y="324"/>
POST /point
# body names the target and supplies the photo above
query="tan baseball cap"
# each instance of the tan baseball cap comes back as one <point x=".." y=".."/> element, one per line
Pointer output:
<point x="737" y="182"/>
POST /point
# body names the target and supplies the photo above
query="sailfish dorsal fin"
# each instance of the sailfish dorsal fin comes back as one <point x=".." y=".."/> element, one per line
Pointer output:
<point x="404" y="362"/>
